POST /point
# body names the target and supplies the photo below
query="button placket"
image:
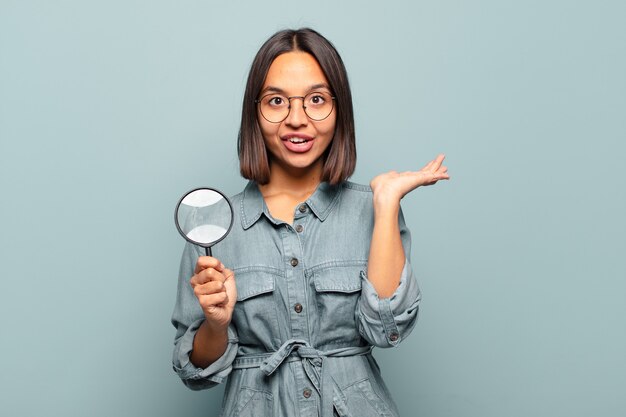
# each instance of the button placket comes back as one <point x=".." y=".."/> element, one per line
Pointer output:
<point x="294" y="273"/>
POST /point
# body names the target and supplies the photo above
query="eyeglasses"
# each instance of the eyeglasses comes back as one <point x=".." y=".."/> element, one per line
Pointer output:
<point x="275" y="107"/>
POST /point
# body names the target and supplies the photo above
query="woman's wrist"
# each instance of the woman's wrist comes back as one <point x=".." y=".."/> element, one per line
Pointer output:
<point x="386" y="205"/>
<point x="215" y="328"/>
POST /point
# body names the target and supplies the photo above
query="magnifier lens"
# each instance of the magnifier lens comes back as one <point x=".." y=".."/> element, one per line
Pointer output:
<point x="204" y="216"/>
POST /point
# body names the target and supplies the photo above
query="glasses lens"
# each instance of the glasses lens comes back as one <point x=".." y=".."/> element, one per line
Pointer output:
<point x="318" y="105"/>
<point x="274" y="107"/>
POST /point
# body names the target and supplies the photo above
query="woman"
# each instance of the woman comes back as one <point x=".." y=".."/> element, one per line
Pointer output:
<point x="315" y="271"/>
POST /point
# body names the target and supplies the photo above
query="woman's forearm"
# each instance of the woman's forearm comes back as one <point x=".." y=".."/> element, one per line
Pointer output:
<point x="386" y="258"/>
<point x="208" y="345"/>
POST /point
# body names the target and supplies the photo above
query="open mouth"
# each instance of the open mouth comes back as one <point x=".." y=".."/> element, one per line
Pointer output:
<point x="297" y="140"/>
<point x="298" y="143"/>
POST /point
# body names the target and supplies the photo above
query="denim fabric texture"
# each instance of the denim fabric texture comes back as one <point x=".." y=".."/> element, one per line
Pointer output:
<point x="306" y="316"/>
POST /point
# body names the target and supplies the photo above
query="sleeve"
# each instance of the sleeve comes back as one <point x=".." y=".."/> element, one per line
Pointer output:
<point x="386" y="322"/>
<point x="187" y="318"/>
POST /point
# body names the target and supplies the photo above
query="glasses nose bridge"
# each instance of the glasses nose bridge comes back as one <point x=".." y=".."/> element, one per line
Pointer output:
<point x="290" y="114"/>
<point x="292" y="97"/>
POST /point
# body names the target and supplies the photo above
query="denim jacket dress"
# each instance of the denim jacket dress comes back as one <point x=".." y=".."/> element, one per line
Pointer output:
<point x="306" y="316"/>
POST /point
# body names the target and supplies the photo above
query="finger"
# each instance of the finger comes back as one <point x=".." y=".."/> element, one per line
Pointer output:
<point x="212" y="287"/>
<point x="207" y="275"/>
<point x="228" y="274"/>
<point x="205" y="262"/>
<point x="441" y="172"/>
<point x="438" y="161"/>
<point x="438" y="177"/>
<point x="211" y="300"/>
<point x="211" y="274"/>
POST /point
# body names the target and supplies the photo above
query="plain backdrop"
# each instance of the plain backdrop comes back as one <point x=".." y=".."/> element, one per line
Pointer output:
<point x="110" y="110"/>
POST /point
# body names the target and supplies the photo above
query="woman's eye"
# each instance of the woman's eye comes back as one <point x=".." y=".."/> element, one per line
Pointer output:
<point x="317" y="99"/>
<point x="276" y="101"/>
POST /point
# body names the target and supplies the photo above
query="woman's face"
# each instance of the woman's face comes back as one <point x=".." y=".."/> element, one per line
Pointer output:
<point x="297" y="143"/>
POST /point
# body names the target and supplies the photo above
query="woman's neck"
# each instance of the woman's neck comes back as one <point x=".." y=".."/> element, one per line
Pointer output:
<point x="296" y="183"/>
<point x="287" y="189"/>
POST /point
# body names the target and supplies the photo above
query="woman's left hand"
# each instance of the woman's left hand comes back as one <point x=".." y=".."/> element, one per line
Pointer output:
<point x="390" y="187"/>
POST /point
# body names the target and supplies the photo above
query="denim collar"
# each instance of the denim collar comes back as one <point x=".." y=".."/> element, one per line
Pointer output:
<point x="253" y="205"/>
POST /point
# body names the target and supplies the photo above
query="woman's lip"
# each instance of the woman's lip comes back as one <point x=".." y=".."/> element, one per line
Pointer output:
<point x="296" y="135"/>
<point x="300" y="147"/>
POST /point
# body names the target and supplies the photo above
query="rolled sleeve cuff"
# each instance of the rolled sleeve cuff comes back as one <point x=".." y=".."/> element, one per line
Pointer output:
<point x="386" y="321"/>
<point x="201" y="378"/>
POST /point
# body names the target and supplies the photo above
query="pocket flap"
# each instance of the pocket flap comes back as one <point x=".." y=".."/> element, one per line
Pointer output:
<point x="251" y="284"/>
<point x="338" y="280"/>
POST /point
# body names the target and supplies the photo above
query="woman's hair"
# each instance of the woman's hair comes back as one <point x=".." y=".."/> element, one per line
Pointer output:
<point x="340" y="157"/>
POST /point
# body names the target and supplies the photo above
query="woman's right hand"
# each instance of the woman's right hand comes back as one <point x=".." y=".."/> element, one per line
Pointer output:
<point x="214" y="287"/>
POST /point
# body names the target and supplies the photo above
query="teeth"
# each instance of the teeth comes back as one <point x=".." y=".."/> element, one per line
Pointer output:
<point x="297" y="140"/>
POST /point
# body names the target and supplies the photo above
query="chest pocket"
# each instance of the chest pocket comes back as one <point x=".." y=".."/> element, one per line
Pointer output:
<point x="255" y="313"/>
<point x="337" y="291"/>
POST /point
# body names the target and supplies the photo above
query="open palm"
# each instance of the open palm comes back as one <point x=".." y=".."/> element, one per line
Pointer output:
<point x="392" y="186"/>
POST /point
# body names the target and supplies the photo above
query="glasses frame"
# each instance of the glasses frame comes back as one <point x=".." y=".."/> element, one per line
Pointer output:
<point x="333" y="98"/>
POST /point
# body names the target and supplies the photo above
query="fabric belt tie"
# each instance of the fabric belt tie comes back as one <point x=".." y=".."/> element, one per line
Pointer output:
<point x="312" y="361"/>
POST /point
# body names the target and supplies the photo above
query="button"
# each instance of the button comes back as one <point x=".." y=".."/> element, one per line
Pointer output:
<point x="298" y="308"/>
<point x="393" y="336"/>
<point x="294" y="262"/>
<point x="306" y="393"/>
<point x="302" y="208"/>
<point x="299" y="228"/>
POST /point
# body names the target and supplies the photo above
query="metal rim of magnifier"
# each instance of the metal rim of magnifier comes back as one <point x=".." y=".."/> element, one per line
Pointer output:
<point x="182" y="233"/>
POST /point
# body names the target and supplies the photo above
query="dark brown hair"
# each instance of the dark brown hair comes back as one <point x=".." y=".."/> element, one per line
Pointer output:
<point x="340" y="157"/>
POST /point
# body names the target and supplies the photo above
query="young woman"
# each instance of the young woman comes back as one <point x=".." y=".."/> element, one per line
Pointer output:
<point x="315" y="271"/>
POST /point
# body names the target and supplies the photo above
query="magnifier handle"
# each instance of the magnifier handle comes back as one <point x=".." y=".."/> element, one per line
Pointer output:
<point x="207" y="251"/>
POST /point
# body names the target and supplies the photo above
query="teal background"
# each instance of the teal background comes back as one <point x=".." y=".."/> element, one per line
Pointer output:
<point x="110" y="110"/>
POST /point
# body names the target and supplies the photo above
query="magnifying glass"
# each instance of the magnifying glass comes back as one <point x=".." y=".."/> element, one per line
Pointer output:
<point x="204" y="216"/>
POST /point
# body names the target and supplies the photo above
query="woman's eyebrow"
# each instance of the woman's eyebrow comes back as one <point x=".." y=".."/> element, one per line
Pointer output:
<point x="273" y="89"/>
<point x="318" y="86"/>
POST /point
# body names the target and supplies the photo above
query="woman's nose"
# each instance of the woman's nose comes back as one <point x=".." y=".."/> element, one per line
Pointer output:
<point x="296" y="116"/>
